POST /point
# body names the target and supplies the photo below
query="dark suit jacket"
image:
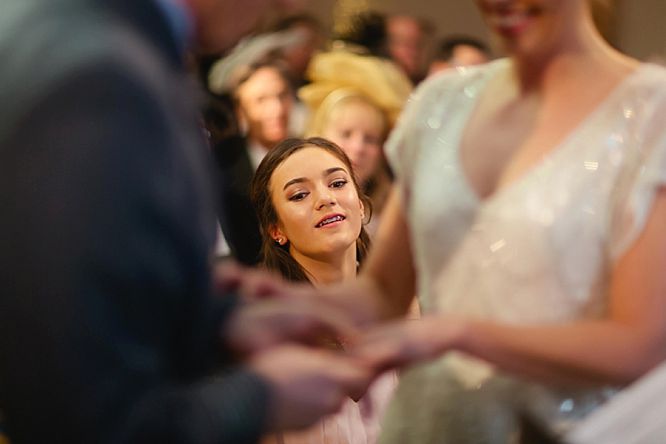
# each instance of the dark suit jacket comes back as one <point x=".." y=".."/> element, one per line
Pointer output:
<point x="237" y="215"/>
<point x="108" y="329"/>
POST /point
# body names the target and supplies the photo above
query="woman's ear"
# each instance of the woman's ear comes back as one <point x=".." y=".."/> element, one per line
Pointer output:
<point x="360" y="202"/>
<point x="277" y="235"/>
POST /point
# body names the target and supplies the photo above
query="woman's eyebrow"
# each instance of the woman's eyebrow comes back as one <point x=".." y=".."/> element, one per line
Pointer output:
<point x="330" y="171"/>
<point x="327" y="172"/>
<point x="294" y="181"/>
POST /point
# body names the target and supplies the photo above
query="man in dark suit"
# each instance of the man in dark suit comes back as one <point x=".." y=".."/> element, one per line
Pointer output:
<point x="110" y="331"/>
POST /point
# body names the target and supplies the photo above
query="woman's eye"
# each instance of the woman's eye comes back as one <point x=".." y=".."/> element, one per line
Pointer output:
<point x="298" y="196"/>
<point x="338" y="183"/>
<point x="370" y="140"/>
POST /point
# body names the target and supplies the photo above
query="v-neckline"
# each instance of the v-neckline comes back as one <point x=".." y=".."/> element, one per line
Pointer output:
<point x="550" y="155"/>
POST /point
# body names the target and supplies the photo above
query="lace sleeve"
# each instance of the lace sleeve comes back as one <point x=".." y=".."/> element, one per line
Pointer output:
<point x="637" y="189"/>
<point x="405" y="141"/>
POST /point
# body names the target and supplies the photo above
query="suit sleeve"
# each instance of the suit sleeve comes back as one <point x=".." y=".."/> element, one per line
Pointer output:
<point x="109" y="330"/>
<point x="238" y="218"/>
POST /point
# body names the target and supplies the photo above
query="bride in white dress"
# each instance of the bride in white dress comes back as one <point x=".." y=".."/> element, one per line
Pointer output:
<point x="529" y="216"/>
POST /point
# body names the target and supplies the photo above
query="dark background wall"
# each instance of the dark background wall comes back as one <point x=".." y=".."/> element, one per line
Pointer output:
<point x="637" y="27"/>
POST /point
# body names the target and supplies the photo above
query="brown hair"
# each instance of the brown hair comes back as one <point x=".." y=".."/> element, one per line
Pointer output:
<point x="275" y="256"/>
<point x="244" y="73"/>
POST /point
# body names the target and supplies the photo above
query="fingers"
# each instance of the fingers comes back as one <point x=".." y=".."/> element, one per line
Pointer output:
<point x="351" y="374"/>
<point x="257" y="326"/>
<point x="227" y="276"/>
<point x="382" y="356"/>
<point x="261" y="284"/>
<point x="308" y="384"/>
<point x="251" y="283"/>
<point x="397" y="344"/>
<point x="326" y="321"/>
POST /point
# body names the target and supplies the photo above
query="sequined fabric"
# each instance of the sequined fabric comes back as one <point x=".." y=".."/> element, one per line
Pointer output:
<point x="537" y="251"/>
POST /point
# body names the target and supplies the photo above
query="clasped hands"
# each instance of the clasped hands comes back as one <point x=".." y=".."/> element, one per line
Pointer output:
<point x="284" y="333"/>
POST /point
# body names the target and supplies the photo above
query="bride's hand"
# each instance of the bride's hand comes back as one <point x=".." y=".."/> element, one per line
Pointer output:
<point x="407" y="342"/>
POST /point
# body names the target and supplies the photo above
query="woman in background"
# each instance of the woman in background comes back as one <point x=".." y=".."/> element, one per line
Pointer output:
<point x="311" y="212"/>
<point x="298" y="187"/>
<point x="357" y="125"/>
<point x="261" y="99"/>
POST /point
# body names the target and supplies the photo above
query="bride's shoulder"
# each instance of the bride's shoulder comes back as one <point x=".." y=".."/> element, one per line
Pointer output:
<point x="460" y="76"/>
<point x="452" y="81"/>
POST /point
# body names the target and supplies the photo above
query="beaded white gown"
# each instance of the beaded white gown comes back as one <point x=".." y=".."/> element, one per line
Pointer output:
<point x="537" y="251"/>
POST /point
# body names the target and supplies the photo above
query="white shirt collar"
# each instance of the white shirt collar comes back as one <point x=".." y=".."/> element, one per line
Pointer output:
<point x="257" y="153"/>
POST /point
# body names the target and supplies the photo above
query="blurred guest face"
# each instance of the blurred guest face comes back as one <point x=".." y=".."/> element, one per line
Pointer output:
<point x="265" y="102"/>
<point x="358" y="128"/>
<point x="317" y="204"/>
<point x="466" y="55"/>
<point x="221" y="23"/>
<point x="406" y="44"/>
<point x="298" y="55"/>
<point x="535" y="27"/>
<point x="463" y="55"/>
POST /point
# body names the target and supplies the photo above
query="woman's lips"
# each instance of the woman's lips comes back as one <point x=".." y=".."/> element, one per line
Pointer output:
<point x="510" y="24"/>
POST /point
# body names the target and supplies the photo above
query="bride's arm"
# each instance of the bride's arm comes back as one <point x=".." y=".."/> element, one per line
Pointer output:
<point x="618" y="349"/>
<point x="386" y="284"/>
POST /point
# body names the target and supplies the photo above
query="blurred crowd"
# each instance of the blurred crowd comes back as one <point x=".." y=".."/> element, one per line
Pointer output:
<point x="298" y="79"/>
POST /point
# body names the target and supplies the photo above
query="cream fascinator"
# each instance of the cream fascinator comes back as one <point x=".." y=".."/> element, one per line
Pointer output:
<point x="378" y="79"/>
<point x="224" y="73"/>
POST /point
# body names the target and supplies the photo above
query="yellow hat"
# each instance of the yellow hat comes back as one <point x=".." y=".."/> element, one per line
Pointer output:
<point x="378" y="79"/>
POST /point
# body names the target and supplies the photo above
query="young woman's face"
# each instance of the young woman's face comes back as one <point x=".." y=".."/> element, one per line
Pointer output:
<point x="318" y="208"/>
<point x="533" y="27"/>
<point x="358" y="128"/>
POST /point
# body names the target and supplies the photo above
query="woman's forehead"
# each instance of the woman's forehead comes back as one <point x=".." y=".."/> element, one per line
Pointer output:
<point x="308" y="162"/>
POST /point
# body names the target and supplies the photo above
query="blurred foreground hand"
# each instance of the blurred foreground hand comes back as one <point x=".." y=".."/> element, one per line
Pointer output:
<point x="403" y="343"/>
<point x="308" y="383"/>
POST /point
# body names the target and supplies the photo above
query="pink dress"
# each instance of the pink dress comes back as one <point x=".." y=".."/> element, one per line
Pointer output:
<point x="355" y="423"/>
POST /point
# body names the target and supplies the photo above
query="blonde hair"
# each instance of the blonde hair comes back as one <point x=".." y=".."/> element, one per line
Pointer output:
<point x="336" y="99"/>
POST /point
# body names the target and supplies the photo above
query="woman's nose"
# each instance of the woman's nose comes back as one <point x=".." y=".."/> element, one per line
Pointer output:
<point x="325" y="198"/>
<point x="357" y="143"/>
<point x="354" y="148"/>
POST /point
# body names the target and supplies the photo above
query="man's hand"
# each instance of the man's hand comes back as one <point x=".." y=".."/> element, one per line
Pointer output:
<point x="250" y="283"/>
<point x="307" y="384"/>
<point x="274" y="311"/>
<point x="259" y="325"/>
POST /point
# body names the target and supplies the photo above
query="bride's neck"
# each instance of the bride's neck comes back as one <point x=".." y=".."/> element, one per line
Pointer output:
<point x="584" y="56"/>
